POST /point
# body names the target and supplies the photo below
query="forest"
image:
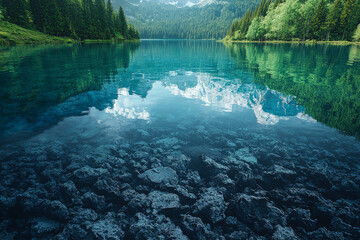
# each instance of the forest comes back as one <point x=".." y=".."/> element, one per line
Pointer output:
<point x="321" y="20"/>
<point x="86" y="19"/>
<point x="166" y="21"/>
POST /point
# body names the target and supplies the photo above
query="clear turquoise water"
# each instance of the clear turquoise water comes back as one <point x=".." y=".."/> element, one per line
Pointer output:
<point x="291" y="91"/>
<point x="283" y="122"/>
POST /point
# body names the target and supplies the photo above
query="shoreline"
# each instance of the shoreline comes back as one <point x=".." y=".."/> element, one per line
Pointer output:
<point x="338" y="43"/>
<point x="11" y="35"/>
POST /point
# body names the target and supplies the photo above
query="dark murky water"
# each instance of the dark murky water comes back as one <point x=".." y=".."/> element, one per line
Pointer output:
<point x="180" y="139"/>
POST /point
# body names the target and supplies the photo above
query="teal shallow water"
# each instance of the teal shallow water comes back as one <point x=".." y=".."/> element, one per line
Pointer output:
<point x="181" y="139"/>
<point x="274" y="87"/>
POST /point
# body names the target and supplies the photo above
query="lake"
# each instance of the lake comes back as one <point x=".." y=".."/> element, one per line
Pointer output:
<point x="177" y="139"/>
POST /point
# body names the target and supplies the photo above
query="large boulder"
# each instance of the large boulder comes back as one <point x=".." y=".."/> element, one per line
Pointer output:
<point x="211" y="205"/>
<point x="258" y="213"/>
<point x="42" y="227"/>
<point x="107" y="229"/>
<point x="155" y="227"/>
<point x="160" y="175"/>
<point x="162" y="200"/>
<point x="87" y="175"/>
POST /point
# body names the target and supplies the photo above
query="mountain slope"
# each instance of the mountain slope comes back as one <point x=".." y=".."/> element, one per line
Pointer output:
<point x="12" y="34"/>
<point x="201" y="19"/>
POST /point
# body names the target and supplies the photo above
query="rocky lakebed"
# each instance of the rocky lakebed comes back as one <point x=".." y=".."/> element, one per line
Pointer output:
<point x="160" y="184"/>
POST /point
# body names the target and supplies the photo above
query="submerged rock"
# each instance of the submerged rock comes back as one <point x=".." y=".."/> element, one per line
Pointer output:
<point x="160" y="175"/>
<point x="88" y="175"/>
<point x="212" y="167"/>
<point x="212" y="205"/>
<point x="42" y="227"/>
<point x="161" y="200"/>
<point x="244" y="154"/>
<point x="258" y="213"/>
<point x="284" y="233"/>
<point x="194" y="227"/>
<point x="155" y="227"/>
<point x="107" y="229"/>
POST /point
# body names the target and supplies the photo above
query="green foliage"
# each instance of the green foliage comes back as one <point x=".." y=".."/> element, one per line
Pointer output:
<point x="13" y="34"/>
<point x="239" y="28"/>
<point x="356" y="36"/>
<point x="298" y="19"/>
<point x="354" y="18"/>
<point x="256" y="30"/>
<point x="79" y="19"/>
<point x="1" y="13"/>
<point x="318" y="26"/>
<point x="159" y="20"/>
<point x="333" y="20"/>
<point x="122" y="23"/>
<point x="345" y="18"/>
<point x="16" y="11"/>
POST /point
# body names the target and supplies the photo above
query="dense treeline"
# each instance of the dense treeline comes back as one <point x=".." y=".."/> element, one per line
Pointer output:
<point x="299" y="20"/>
<point x="79" y="19"/>
<point x="168" y="21"/>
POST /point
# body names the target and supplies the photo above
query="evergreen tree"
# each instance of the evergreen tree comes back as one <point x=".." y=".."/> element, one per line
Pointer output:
<point x="101" y="30"/>
<point x="344" y="19"/>
<point x="333" y="20"/>
<point x="354" y="18"/>
<point x="16" y="11"/>
<point x="277" y="2"/>
<point x="132" y="33"/>
<point x="79" y="19"/>
<point x="1" y="13"/>
<point x="123" y="23"/>
<point x="356" y="36"/>
<point x="38" y="10"/>
<point x="318" y="22"/>
<point x="110" y="17"/>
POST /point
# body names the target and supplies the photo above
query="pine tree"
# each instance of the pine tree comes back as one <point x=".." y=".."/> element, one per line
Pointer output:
<point x="123" y="23"/>
<point x="356" y="36"/>
<point x="354" y="18"/>
<point x="318" y="22"/>
<point x="38" y="10"/>
<point x="110" y="18"/>
<point x="333" y="20"/>
<point x="277" y="2"/>
<point x="16" y="11"/>
<point x="1" y="13"/>
<point x="344" y="19"/>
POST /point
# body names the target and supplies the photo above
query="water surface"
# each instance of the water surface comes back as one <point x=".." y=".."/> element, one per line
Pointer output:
<point x="215" y="129"/>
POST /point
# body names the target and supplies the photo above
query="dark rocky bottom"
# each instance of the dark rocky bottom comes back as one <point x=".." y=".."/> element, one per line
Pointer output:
<point x="168" y="187"/>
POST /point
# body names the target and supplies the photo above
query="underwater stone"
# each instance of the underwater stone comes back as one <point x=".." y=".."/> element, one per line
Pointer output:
<point x="250" y="209"/>
<point x="244" y="155"/>
<point x="164" y="175"/>
<point x="212" y="205"/>
<point x="162" y="200"/>
<point x="284" y="233"/>
<point x="155" y="227"/>
<point x="213" y="167"/>
<point x="194" y="227"/>
<point x="107" y="229"/>
<point x="43" y="226"/>
<point x="87" y="174"/>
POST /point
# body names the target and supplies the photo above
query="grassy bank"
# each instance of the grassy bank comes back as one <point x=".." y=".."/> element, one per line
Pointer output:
<point x="13" y="34"/>
<point x="342" y="43"/>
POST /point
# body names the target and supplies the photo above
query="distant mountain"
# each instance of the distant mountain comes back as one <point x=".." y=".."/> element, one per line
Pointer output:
<point x="201" y="19"/>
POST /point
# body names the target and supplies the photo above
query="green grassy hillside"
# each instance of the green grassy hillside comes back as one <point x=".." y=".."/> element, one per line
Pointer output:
<point x="13" y="34"/>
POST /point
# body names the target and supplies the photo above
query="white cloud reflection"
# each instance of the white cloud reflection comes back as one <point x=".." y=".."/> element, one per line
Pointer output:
<point x="224" y="94"/>
<point x="128" y="106"/>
